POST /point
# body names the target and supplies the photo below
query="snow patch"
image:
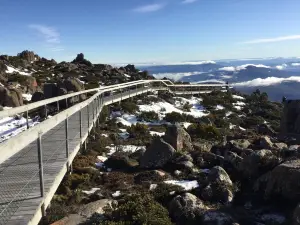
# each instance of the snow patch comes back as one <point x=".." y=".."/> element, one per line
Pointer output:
<point x="219" y="107"/>
<point x="12" y="70"/>
<point x="185" y="184"/>
<point x="27" y="97"/>
<point x="92" y="191"/>
<point x="116" y="194"/>
<point x="123" y="148"/>
<point x="157" y="133"/>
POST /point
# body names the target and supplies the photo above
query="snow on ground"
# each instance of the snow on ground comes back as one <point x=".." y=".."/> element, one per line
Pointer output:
<point x="116" y="194"/>
<point x="219" y="107"/>
<point x="127" y="119"/>
<point x="239" y="103"/>
<point x="10" y="126"/>
<point x="162" y="108"/>
<point x="123" y="148"/>
<point x="186" y="124"/>
<point x="92" y="191"/>
<point x="186" y="184"/>
<point x="27" y="97"/>
<point x="126" y="75"/>
<point x="104" y="135"/>
<point x="238" y="97"/>
<point x="228" y="113"/>
<point x="124" y="134"/>
<point x="12" y="70"/>
<point x="157" y="133"/>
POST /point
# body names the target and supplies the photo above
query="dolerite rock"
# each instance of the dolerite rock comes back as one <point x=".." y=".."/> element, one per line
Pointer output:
<point x="157" y="154"/>
<point x="202" y="146"/>
<point x="28" y="56"/>
<point x="282" y="181"/>
<point x="80" y="59"/>
<point x="265" y="142"/>
<point x="265" y="129"/>
<point x="94" y="207"/>
<point x="72" y="85"/>
<point x="72" y="219"/>
<point x="120" y="161"/>
<point x="10" y="97"/>
<point x="233" y="159"/>
<point x="258" y="163"/>
<point x="238" y="145"/>
<point x="178" y="138"/>
<point x="186" y="208"/>
<point x="220" y="186"/>
<point x="208" y="160"/>
<point x="130" y="68"/>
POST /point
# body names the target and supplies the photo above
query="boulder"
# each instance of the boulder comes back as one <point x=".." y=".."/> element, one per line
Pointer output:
<point x="208" y="160"/>
<point x="220" y="186"/>
<point x="10" y="97"/>
<point x="233" y="159"/>
<point x="137" y="155"/>
<point x="282" y="181"/>
<point x="265" y="142"/>
<point x="72" y="219"/>
<point x="186" y="208"/>
<point x="120" y="161"/>
<point x="73" y="85"/>
<point x="238" y="145"/>
<point x="202" y="146"/>
<point x="94" y="207"/>
<point x="157" y="154"/>
<point x="178" y="138"/>
<point x="258" y="163"/>
<point x="50" y="90"/>
<point x="182" y="162"/>
<point x="81" y="60"/>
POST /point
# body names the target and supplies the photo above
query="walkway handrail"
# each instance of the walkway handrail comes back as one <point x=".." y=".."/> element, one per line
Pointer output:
<point x="31" y="106"/>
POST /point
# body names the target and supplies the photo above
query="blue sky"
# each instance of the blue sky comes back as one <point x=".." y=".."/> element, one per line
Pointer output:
<point x="136" y="31"/>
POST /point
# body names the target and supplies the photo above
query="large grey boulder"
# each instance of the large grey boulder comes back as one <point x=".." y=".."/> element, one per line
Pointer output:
<point x="238" y="145"/>
<point x="220" y="186"/>
<point x="186" y="208"/>
<point x="258" y="163"/>
<point x="10" y="97"/>
<point x="94" y="207"/>
<point x="178" y="138"/>
<point x="157" y="154"/>
<point x="217" y="218"/>
<point x="282" y="181"/>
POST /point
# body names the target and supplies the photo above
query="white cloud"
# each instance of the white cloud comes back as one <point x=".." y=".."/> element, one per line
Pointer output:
<point x="149" y="8"/>
<point x="276" y="39"/>
<point x="281" y="67"/>
<point x="188" y="1"/>
<point x="228" y="68"/>
<point x="267" y="81"/>
<point x="295" y="64"/>
<point x="57" y="49"/>
<point x="49" y="34"/>
<point x="175" y="76"/>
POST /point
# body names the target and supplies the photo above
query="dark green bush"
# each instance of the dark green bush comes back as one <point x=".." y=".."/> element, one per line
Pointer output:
<point x="204" y="131"/>
<point x="138" y="131"/>
<point x="137" y="210"/>
<point x="187" y="107"/>
<point x="129" y="107"/>
<point x="104" y="114"/>
<point x="174" y="117"/>
<point x="148" y="116"/>
<point x="162" y="192"/>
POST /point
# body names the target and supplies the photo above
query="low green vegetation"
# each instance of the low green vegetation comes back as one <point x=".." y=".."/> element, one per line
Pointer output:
<point x="148" y="116"/>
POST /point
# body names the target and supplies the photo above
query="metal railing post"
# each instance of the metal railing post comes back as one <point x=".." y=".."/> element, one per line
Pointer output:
<point x="46" y="111"/>
<point x="88" y="114"/>
<point x="67" y="140"/>
<point x="27" y="120"/>
<point x="80" y="123"/>
<point x="66" y="102"/>
<point x="57" y="105"/>
<point x="41" y="170"/>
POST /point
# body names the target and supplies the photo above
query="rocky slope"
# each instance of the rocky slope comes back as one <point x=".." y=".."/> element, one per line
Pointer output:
<point x="25" y="74"/>
<point x="160" y="159"/>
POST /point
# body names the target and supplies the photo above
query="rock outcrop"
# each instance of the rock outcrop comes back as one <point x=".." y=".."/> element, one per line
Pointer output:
<point x="10" y="97"/>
